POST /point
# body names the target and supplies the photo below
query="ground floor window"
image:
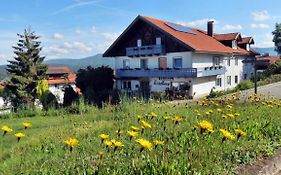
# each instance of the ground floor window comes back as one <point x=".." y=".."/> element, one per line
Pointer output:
<point x="245" y="77"/>
<point x="228" y="79"/>
<point x="127" y="85"/>
<point x="236" y="79"/>
<point x="177" y="62"/>
<point x="218" y="82"/>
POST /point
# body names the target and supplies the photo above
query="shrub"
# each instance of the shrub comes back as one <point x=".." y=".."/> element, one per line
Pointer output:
<point x="243" y="85"/>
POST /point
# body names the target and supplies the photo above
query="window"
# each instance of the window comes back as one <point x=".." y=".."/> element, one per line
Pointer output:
<point x="234" y="44"/>
<point x="245" y="76"/>
<point x="228" y="80"/>
<point x="217" y="61"/>
<point x="139" y="42"/>
<point x="158" y="41"/>
<point x="228" y="61"/>
<point x="143" y="63"/>
<point x="236" y="61"/>
<point x="177" y="62"/>
<point x="236" y="79"/>
<point x="218" y="82"/>
<point x="126" y="64"/>
<point x="127" y="85"/>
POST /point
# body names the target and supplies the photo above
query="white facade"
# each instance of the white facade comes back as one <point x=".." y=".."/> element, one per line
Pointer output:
<point x="201" y="85"/>
<point x="58" y="91"/>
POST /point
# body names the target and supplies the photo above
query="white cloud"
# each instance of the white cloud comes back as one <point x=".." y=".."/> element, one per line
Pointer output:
<point x="111" y="36"/>
<point x="261" y="15"/>
<point x="264" y="40"/>
<point x="259" y="26"/>
<point x="58" y="36"/>
<point x="197" y="23"/>
<point x="232" y="27"/>
<point x="93" y="29"/>
<point x="78" y="31"/>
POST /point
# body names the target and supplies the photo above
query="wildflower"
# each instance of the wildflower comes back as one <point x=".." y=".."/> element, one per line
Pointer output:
<point x="134" y="128"/>
<point x="153" y="115"/>
<point x="119" y="132"/>
<point x="132" y="133"/>
<point x="219" y="110"/>
<point x="26" y="125"/>
<point x="236" y="114"/>
<point x="71" y="143"/>
<point x="206" y="126"/>
<point x="177" y="119"/>
<point x="19" y="135"/>
<point x="103" y="137"/>
<point x="224" y="116"/>
<point x="145" y="124"/>
<point x="6" y="129"/>
<point x="145" y="144"/>
<point x="230" y="115"/>
<point x="229" y="106"/>
<point x="158" y="142"/>
<point x="207" y="113"/>
<point x="116" y="144"/>
<point x="166" y="118"/>
<point x="227" y="135"/>
<point x="240" y="133"/>
<point x="139" y="117"/>
<point x="107" y="143"/>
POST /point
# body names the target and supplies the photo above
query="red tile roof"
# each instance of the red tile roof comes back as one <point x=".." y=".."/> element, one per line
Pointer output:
<point x="246" y="40"/>
<point x="52" y="80"/>
<point x="270" y="59"/>
<point x="201" y="42"/>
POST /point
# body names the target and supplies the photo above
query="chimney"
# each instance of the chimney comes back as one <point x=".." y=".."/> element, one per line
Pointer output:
<point x="210" y="28"/>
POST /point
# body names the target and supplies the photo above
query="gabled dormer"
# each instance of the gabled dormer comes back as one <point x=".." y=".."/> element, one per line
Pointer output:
<point x="229" y="39"/>
<point x="246" y="42"/>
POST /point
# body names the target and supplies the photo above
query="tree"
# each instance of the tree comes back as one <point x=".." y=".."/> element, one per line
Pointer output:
<point x="277" y="38"/>
<point x="96" y="84"/>
<point x="26" y="70"/>
<point x="70" y="96"/>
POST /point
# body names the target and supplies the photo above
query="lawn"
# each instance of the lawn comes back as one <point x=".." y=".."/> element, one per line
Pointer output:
<point x="208" y="137"/>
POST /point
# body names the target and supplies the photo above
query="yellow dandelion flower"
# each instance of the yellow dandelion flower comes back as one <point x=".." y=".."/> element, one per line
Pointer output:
<point x="26" y="125"/>
<point x="236" y="114"/>
<point x="219" y="110"/>
<point x="116" y="144"/>
<point x="227" y="135"/>
<point x="177" y="119"/>
<point x="71" y="143"/>
<point x="153" y="114"/>
<point x="107" y="143"/>
<point x="134" y="128"/>
<point x="206" y="126"/>
<point x="207" y="113"/>
<point x="132" y="133"/>
<point x="230" y="115"/>
<point x="240" y="133"/>
<point x="19" y="135"/>
<point x="145" y="124"/>
<point x="166" y="118"/>
<point x="119" y="132"/>
<point x="145" y="144"/>
<point x="103" y="136"/>
<point x="6" y="129"/>
<point x="229" y="106"/>
<point x="158" y="142"/>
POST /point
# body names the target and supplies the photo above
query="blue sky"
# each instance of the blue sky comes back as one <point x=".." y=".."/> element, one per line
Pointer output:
<point x="80" y="28"/>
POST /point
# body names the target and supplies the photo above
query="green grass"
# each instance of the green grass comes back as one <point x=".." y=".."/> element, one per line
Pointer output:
<point x="185" y="150"/>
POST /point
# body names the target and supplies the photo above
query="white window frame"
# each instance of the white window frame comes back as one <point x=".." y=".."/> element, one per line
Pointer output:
<point x="217" y="61"/>
<point x="219" y="82"/>
<point x="234" y="44"/>
<point x="228" y="80"/>
<point x="126" y="64"/>
<point x="158" y="40"/>
<point x="177" y="58"/>
<point x="139" y="43"/>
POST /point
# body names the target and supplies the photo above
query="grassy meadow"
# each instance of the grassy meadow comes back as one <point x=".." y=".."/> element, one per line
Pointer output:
<point x="137" y="137"/>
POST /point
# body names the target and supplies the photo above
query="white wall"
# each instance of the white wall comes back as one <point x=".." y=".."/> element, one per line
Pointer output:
<point x="57" y="90"/>
<point x="202" y="86"/>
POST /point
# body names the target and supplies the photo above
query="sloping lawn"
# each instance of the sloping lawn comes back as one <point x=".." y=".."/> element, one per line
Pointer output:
<point x="211" y="137"/>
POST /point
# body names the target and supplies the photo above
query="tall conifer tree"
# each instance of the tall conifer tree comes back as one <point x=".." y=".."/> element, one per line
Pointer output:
<point x="26" y="70"/>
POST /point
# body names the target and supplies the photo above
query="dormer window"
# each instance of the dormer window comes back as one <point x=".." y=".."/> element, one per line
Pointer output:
<point x="139" y="42"/>
<point x="234" y="44"/>
<point x="248" y="47"/>
<point x="158" y="41"/>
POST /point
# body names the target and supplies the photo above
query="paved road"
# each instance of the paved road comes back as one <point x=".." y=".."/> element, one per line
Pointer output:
<point x="271" y="89"/>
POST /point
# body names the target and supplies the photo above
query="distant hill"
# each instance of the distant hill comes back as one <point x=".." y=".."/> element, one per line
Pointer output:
<point x="269" y="50"/>
<point x="73" y="64"/>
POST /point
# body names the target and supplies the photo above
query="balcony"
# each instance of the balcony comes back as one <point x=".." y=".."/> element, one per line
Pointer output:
<point x="145" y="50"/>
<point x="210" y="71"/>
<point x="167" y="73"/>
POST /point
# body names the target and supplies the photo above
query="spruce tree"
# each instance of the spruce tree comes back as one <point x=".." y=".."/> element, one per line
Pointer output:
<point x="277" y="38"/>
<point x="26" y="70"/>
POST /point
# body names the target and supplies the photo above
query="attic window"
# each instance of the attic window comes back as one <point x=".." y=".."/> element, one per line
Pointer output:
<point x="234" y="44"/>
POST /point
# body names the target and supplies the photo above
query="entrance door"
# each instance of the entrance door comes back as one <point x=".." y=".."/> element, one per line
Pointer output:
<point x="144" y="89"/>
<point x="162" y="62"/>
